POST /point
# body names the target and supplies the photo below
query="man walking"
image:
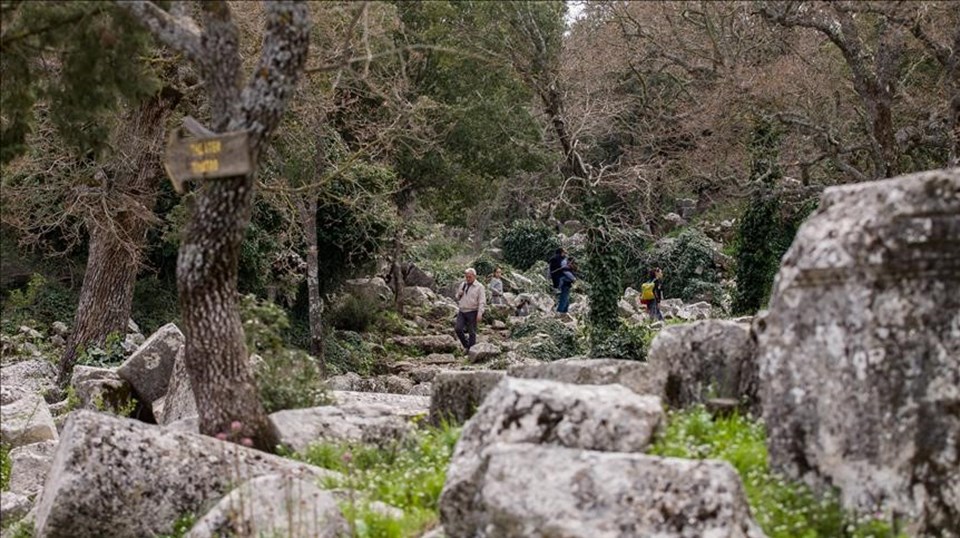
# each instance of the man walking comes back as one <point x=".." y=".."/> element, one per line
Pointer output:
<point x="471" y="299"/>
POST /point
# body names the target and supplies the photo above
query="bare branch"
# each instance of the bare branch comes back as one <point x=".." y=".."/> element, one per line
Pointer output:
<point x="179" y="33"/>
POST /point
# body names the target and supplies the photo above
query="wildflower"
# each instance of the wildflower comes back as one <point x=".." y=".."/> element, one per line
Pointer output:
<point x="222" y="436"/>
<point x="246" y="441"/>
<point x="346" y="458"/>
<point x="236" y="426"/>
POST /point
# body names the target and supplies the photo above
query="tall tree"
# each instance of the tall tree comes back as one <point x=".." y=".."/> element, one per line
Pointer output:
<point x="216" y="355"/>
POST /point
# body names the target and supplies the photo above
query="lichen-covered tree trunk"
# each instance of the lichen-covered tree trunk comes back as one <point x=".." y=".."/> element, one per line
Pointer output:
<point x="117" y="235"/>
<point x="215" y="353"/>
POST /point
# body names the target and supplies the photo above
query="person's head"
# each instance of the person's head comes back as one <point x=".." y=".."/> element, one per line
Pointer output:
<point x="470" y="275"/>
<point x="497" y="272"/>
<point x="656" y="272"/>
<point x="561" y="252"/>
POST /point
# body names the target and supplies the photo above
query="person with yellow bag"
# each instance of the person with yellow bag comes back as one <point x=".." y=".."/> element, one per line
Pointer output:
<point x="651" y="293"/>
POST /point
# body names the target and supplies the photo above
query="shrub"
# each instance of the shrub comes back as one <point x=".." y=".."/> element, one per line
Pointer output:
<point x="561" y="342"/>
<point x="345" y="351"/>
<point x="286" y="378"/>
<point x="484" y="266"/>
<point x="526" y="242"/>
<point x="631" y="342"/>
<point x="784" y="509"/>
<point x="109" y="355"/>
<point x="407" y="475"/>
<point x="42" y="300"/>
<point x="354" y="313"/>
<point x="691" y="267"/>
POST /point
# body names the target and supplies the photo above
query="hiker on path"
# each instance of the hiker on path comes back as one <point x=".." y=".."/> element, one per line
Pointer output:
<point x="651" y="293"/>
<point x="566" y="280"/>
<point x="496" y="288"/>
<point x="471" y="299"/>
<point x="555" y="268"/>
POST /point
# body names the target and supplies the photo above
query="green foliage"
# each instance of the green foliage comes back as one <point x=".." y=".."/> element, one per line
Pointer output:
<point x="346" y="351"/>
<point x="484" y="266"/>
<point x="784" y="509"/>
<point x="43" y="301"/>
<point x="561" y="341"/>
<point x="691" y="268"/>
<point x="108" y="355"/>
<point x="4" y="467"/>
<point x="23" y="530"/>
<point x="286" y="378"/>
<point x="526" y="242"/>
<point x="605" y="265"/>
<point x="408" y="475"/>
<point x="97" y="47"/>
<point x="181" y="526"/>
<point x="631" y="342"/>
<point x="155" y="303"/>
<point x="355" y="313"/>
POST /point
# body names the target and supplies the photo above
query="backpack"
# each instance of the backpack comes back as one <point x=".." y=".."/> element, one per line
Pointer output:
<point x="647" y="291"/>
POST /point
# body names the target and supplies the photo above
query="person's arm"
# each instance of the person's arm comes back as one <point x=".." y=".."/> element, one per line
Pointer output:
<point x="460" y="292"/>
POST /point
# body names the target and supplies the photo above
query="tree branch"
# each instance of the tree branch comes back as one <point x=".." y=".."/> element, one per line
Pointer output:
<point x="179" y="33"/>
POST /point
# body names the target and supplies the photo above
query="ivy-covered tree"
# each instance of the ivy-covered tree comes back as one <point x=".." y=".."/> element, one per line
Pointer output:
<point x="759" y="236"/>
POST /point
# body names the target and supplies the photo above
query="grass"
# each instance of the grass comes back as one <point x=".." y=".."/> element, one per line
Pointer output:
<point x="409" y="476"/>
<point x="4" y="467"/>
<point x="783" y="508"/>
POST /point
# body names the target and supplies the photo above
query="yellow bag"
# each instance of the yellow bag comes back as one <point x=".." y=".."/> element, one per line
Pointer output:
<point x="647" y="292"/>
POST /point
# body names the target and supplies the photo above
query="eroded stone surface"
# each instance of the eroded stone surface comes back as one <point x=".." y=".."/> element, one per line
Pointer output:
<point x="636" y="376"/>
<point x="705" y="359"/>
<point x="29" y="465"/>
<point x="274" y="505"/>
<point x="122" y="478"/>
<point x="457" y="395"/>
<point x="860" y="351"/>
<point x="593" y="417"/>
<point x="299" y="428"/>
<point x="534" y="490"/>
<point x="26" y="420"/>
<point x="149" y="367"/>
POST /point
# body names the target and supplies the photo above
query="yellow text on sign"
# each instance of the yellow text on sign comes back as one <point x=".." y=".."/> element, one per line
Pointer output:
<point x="209" y="147"/>
<point x="205" y="166"/>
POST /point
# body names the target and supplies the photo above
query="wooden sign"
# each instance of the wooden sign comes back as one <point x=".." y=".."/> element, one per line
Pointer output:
<point x="206" y="157"/>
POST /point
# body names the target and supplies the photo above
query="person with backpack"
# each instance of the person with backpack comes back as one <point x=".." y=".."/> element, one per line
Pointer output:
<point x="556" y="269"/>
<point x="566" y="280"/>
<point x="651" y="293"/>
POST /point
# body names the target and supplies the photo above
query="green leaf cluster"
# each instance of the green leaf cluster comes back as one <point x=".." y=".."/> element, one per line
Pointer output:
<point x="561" y="342"/>
<point x="286" y="378"/>
<point x="783" y="508"/>
<point x="691" y="267"/>
<point x="409" y="475"/>
<point x="79" y="60"/>
<point x="626" y="341"/>
<point x="526" y="242"/>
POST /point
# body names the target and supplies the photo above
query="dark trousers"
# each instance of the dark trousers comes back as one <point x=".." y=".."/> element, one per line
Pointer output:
<point x="467" y="321"/>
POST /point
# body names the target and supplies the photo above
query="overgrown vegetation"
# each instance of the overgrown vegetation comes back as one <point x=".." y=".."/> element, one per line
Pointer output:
<point x="42" y="302"/>
<point x="526" y="242"/>
<point x="783" y="508"/>
<point x="4" y="467"/>
<point x="408" y="475"/>
<point x="547" y="338"/>
<point x="286" y="378"/>
<point x="625" y="341"/>
<point x="692" y="268"/>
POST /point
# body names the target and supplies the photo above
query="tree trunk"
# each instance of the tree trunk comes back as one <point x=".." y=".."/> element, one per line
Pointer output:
<point x="215" y="351"/>
<point x="117" y="235"/>
<point x="308" y="219"/>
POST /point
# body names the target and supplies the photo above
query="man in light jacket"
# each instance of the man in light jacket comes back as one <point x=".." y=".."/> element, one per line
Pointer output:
<point x="471" y="299"/>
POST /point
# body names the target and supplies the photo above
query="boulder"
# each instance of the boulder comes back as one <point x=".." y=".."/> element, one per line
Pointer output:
<point x="274" y="505"/>
<point x="122" y="478"/>
<point x="414" y="276"/>
<point x="417" y="297"/>
<point x="29" y="465"/>
<point x="179" y="402"/>
<point x="859" y="353"/>
<point x="704" y="359"/>
<point x="34" y="376"/>
<point x="436" y="343"/>
<point x="482" y="351"/>
<point x="457" y="395"/>
<point x="626" y="309"/>
<point x="299" y="428"/>
<point x="634" y="375"/>
<point x="148" y="369"/>
<point x="13" y="506"/>
<point x="442" y="310"/>
<point x="25" y="421"/>
<point x="670" y="308"/>
<point x="695" y="311"/>
<point x="672" y="221"/>
<point x="11" y="394"/>
<point x="60" y="328"/>
<point x="592" y="417"/>
<point x="534" y="490"/>
<point x="397" y="404"/>
<point x="422" y="389"/>
<point x="374" y="289"/>
<point x="100" y="389"/>
<point x="348" y="381"/>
